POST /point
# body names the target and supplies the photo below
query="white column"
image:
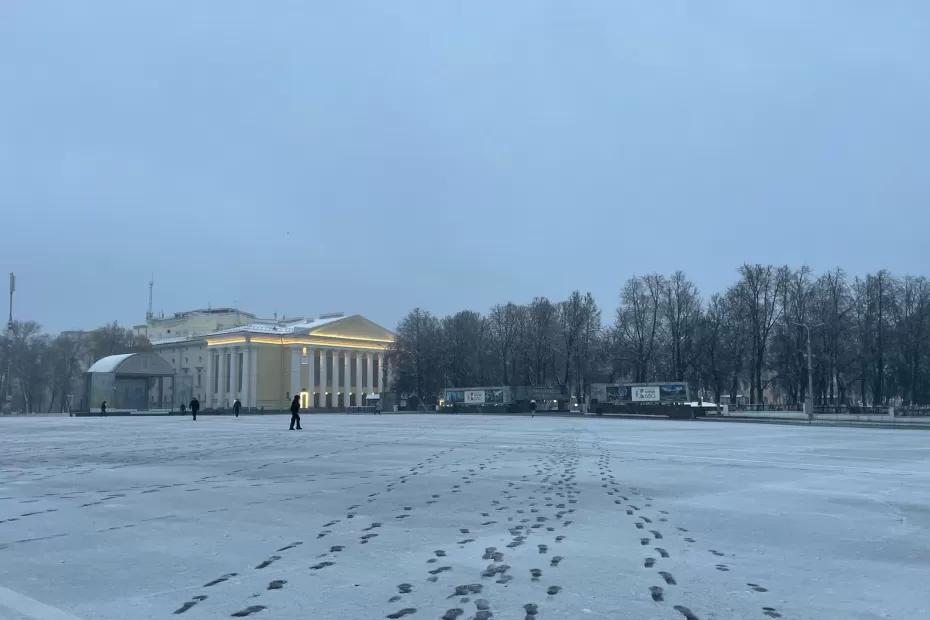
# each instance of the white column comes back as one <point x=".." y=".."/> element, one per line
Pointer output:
<point x="246" y="396"/>
<point x="234" y="373"/>
<point x="311" y="355"/>
<point x="253" y="377"/>
<point x="380" y="373"/>
<point x="369" y="380"/>
<point x="221" y="380"/>
<point x="335" y="377"/>
<point x="346" y="379"/>
<point x="206" y="390"/>
<point x="324" y="387"/>
<point x="295" y="371"/>
<point x="358" y="378"/>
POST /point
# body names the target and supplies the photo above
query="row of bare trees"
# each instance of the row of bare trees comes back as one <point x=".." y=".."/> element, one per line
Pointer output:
<point x="870" y="338"/>
<point x="41" y="371"/>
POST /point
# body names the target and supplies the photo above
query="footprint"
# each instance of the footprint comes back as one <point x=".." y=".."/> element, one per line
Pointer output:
<point x="649" y="562"/>
<point x="757" y="587"/>
<point x="555" y="560"/>
<point x="269" y="561"/>
<point x="406" y="611"/>
<point x="553" y="590"/>
<point x="657" y="535"/>
<point x="717" y="553"/>
<point x="225" y="577"/>
<point x="290" y="546"/>
<point x="190" y="604"/>
<point x="771" y="612"/>
<point x="662" y="552"/>
<point x="277" y="584"/>
<point x="321" y="565"/>
<point x="452" y="614"/>
<point x="657" y="594"/>
<point x="687" y="613"/>
<point x="667" y="577"/>
<point x="405" y="588"/>
<point x="248" y="611"/>
<point x="722" y="567"/>
<point x="535" y="573"/>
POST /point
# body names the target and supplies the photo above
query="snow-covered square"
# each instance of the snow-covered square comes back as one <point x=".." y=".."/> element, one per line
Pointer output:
<point x="460" y="517"/>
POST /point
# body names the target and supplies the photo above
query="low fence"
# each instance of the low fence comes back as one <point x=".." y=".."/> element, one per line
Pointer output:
<point x="871" y="410"/>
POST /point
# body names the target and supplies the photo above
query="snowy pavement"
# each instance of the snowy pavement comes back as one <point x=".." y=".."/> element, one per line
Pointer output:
<point x="459" y="518"/>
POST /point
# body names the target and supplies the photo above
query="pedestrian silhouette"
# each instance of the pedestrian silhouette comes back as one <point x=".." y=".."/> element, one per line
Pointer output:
<point x="236" y="407"/>
<point x="195" y="407"/>
<point x="103" y="408"/>
<point x="295" y="416"/>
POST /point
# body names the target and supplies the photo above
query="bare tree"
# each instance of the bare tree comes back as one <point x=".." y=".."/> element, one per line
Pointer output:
<point x="761" y="286"/>
<point x="504" y="322"/>
<point x="542" y="330"/>
<point x="638" y="323"/>
<point x="682" y="309"/>
<point x="416" y="356"/>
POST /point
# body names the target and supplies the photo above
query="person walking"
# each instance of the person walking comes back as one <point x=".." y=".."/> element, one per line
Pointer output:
<point x="295" y="416"/>
<point x="195" y="407"/>
<point x="236" y="407"/>
<point x="532" y="408"/>
<point x="103" y="408"/>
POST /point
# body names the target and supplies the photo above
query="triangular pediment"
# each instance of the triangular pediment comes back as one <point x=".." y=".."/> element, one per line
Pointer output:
<point x="355" y="327"/>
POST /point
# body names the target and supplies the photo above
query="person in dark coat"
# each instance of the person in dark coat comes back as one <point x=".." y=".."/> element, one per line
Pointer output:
<point x="295" y="416"/>
<point x="103" y="408"/>
<point x="532" y="408"/>
<point x="195" y="407"/>
<point x="236" y="407"/>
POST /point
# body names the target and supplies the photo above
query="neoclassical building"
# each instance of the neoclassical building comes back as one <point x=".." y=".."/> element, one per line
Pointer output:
<point x="333" y="361"/>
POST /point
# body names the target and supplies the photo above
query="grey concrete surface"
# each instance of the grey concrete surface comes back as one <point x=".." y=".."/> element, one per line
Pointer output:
<point x="360" y="517"/>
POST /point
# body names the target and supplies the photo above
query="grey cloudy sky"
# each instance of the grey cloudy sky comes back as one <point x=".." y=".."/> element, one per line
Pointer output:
<point x="306" y="157"/>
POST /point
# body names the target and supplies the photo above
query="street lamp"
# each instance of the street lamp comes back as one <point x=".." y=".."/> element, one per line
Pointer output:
<point x="809" y="401"/>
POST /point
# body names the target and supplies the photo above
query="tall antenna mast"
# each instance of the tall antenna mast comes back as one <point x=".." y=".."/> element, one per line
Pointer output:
<point x="149" y="315"/>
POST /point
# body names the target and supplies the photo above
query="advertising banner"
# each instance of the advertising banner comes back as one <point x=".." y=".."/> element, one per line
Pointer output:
<point x="645" y="393"/>
<point x="474" y="397"/>
<point x="674" y="392"/>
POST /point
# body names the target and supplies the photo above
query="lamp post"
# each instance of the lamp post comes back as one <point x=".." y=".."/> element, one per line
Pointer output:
<point x="809" y="401"/>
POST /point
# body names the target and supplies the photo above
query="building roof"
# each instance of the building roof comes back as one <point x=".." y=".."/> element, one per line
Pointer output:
<point x="138" y="364"/>
<point x="354" y="327"/>
<point x="285" y="328"/>
<point x="174" y="340"/>
<point x="109" y="363"/>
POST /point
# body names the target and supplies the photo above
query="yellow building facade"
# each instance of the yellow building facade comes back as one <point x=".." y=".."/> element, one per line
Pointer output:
<point x="329" y="362"/>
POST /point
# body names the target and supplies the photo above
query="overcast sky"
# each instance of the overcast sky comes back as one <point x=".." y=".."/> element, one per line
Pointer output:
<point x="305" y="157"/>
